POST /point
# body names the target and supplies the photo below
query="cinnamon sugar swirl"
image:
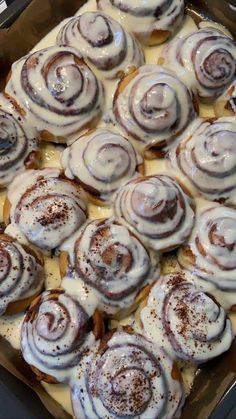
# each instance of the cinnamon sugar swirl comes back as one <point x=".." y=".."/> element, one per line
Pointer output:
<point x="151" y="21"/>
<point x="112" y="262"/>
<point x="55" y="335"/>
<point x="45" y="208"/>
<point x="127" y="376"/>
<point x="157" y="210"/>
<point x="205" y="60"/>
<point x="153" y="106"/>
<point x="101" y="161"/>
<point x="103" y="43"/>
<point x="190" y="324"/>
<point x="58" y="92"/>
<point x="21" y="275"/>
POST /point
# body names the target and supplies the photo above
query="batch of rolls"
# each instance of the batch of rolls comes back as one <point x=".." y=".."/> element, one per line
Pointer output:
<point x="113" y="267"/>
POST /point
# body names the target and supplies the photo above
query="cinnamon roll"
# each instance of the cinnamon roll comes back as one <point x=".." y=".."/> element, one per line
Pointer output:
<point x="157" y="210"/>
<point x="211" y="249"/>
<point x="18" y="142"/>
<point x="55" y="335"/>
<point x="190" y="324"/>
<point x="152" y="21"/>
<point x="103" y="43"/>
<point x="112" y="262"/>
<point x="21" y="275"/>
<point x="225" y="105"/>
<point x="44" y="207"/>
<point x="128" y="376"/>
<point x="205" y="60"/>
<point x="208" y="159"/>
<point x="58" y="92"/>
<point x="153" y="106"/>
<point x="101" y="161"/>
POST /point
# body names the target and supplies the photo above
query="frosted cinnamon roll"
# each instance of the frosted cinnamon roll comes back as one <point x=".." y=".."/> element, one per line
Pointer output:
<point x="58" y="92"/>
<point x="152" y="21"/>
<point x="225" y="105"/>
<point x="103" y="43"/>
<point x="56" y="334"/>
<point x="113" y="263"/>
<point x="205" y="60"/>
<point x="190" y="324"/>
<point x="128" y="376"/>
<point x="18" y="142"/>
<point x="44" y="207"/>
<point x="208" y="159"/>
<point x="153" y="106"/>
<point x="157" y="210"/>
<point x="101" y="160"/>
<point x="211" y="249"/>
<point x="21" y="275"/>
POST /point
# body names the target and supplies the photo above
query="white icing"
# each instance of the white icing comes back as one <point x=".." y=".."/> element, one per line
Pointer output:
<point x="60" y="393"/>
<point x="87" y="297"/>
<point x="103" y="43"/>
<point x="54" y="337"/>
<point x="45" y="208"/>
<point x="205" y="60"/>
<point x="130" y="366"/>
<point x="10" y="329"/>
<point x="17" y="141"/>
<point x="155" y="91"/>
<point x="188" y="323"/>
<point x="59" y="94"/>
<point x="140" y="18"/>
<point x="112" y="262"/>
<point x="225" y="299"/>
<point x="208" y="159"/>
<point x="102" y="161"/>
<point x="141" y="204"/>
<point x="21" y="275"/>
<point x="214" y="260"/>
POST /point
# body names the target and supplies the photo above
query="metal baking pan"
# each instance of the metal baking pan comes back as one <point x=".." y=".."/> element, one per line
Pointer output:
<point x="9" y="15"/>
<point x="19" y="402"/>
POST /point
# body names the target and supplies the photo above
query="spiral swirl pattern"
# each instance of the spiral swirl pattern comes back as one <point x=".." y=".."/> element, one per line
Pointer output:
<point x="45" y="207"/>
<point x="57" y="90"/>
<point x="125" y="379"/>
<point x="191" y="324"/>
<point x="101" y="161"/>
<point x="154" y="107"/>
<point x="157" y="209"/>
<point x="103" y="43"/>
<point x="18" y="142"/>
<point x="55" y="334"/>
<point x="211" y="250"/>
<point x="208" y="158"/>
<point x="149" y="20"/>
<point x="205" y="59"/>
<point x="21" y="273"/>
<point x="109" y="258"/>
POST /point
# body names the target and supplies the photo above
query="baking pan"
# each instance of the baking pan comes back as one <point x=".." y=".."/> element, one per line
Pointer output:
<point x="9" y="15"/>
<point x="214" y="391"/>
